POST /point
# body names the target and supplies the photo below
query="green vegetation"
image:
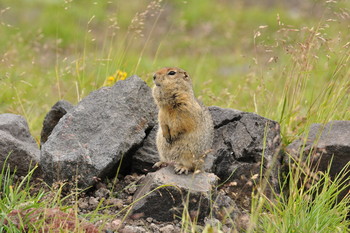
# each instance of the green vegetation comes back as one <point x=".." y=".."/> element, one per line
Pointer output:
<point x="311" y="204"/>
<point x="26" y="206"/>
<point x="288" y="64"/>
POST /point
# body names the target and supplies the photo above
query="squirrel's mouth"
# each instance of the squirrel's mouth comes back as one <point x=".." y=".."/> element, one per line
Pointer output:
<point x="157" y="84"/>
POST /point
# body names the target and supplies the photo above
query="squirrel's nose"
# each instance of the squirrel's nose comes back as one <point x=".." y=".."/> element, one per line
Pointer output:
<point x="154" y="77"/>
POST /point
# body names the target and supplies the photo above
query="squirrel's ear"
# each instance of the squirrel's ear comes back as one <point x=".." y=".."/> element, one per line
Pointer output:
<point x="186" y="75"/>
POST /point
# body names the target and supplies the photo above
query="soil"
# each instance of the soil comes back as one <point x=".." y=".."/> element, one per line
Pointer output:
<point x="111" y="200"/>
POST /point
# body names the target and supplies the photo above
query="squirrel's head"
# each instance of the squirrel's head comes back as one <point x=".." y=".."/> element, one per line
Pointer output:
<point x="172" y="78"/>
<point x="171" y="86"/>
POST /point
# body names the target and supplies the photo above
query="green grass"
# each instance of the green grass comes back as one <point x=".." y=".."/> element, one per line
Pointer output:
<point x="308" y="204"/>
<point x="15" y="195"/>
<point x="22" y="195"/>
<point x="287" y="64"/>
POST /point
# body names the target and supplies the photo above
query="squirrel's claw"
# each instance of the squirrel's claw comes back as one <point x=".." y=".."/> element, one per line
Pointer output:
<point x="181" y="169"/>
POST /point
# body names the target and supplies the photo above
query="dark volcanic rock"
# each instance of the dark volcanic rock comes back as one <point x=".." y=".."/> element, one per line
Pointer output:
<point x="325" y="142"/>
<point x="242" y="141"/>
<point x="52" y="117"/>
<point x="17" y="144"/>
<point x="105" y="127"/>
<point x="147" y="155"/>
<point x="165" y="203"/>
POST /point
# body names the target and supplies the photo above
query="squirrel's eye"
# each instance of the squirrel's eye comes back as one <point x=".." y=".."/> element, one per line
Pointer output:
<point x="172" y="72"/>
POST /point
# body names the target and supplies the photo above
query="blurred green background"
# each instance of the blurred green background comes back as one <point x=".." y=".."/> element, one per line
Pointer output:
<point x="285" y="60"/>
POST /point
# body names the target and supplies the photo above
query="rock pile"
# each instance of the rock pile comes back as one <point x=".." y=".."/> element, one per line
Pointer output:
<point x="112" y="132"/>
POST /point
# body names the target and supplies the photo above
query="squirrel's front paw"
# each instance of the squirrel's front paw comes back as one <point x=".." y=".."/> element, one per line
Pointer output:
<point x="181" y="169"/>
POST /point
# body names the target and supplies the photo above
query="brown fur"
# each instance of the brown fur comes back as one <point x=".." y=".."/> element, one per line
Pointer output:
<point x="186" y="130"/>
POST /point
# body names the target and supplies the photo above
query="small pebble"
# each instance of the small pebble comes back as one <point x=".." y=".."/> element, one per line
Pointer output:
<point x="167" y="229"/>
<point x="154" y="228"/>
<point x="129" y="200"/>
<point x="118" y="203"/>
<point x="102" y="193"/>
<point x="226" y="229"/>
<point x="131" y="190"/>
<point x="93" y="202"/>
<point x="132" y="229"/>
<point x="83" y="204"/>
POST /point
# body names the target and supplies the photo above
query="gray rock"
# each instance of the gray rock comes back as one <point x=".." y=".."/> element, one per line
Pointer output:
<point x="52" y="117"/>
<point x="106" y="127"/>
<point x="17" y="144"/>
<point x="242" y="141"/>
<point x="147" y="155"/>
<point x="165" y="203"/>
<point x="325" y="142"/>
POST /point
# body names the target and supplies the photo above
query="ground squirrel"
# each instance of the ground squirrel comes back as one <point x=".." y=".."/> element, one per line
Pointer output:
<point x="186" y="130"/>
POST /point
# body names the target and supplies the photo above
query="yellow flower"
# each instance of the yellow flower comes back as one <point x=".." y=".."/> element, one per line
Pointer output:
<point x="119" y="75"/>
<point x="110" y="79"/>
